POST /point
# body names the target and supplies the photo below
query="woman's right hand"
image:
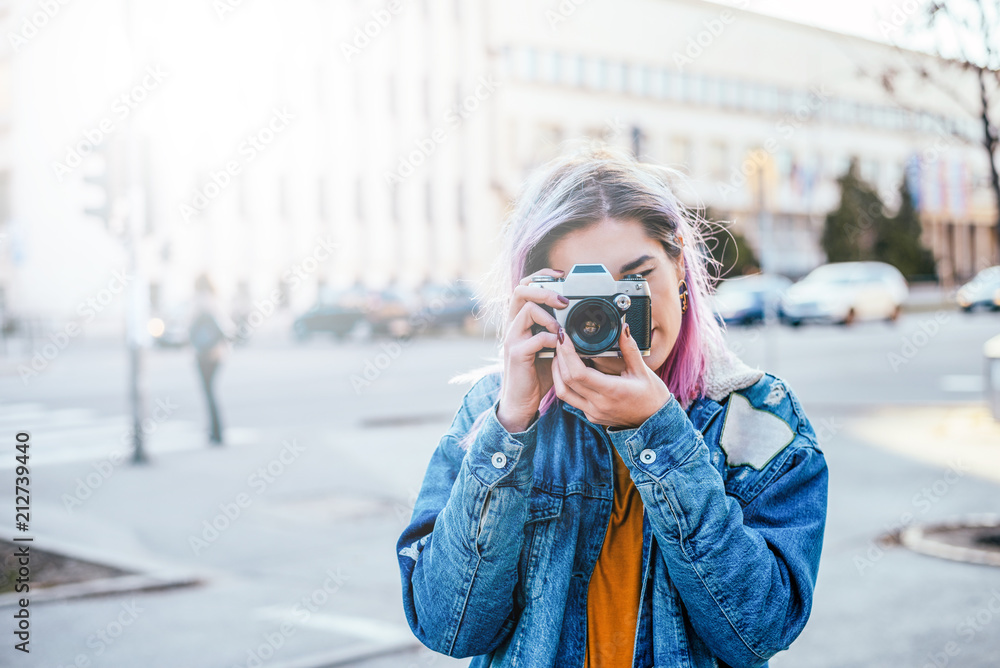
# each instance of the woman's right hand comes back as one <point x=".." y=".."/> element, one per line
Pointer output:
<point x="526" y="379"/>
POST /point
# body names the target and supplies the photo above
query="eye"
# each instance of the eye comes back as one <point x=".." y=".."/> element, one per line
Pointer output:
<point x="645" y="273"/>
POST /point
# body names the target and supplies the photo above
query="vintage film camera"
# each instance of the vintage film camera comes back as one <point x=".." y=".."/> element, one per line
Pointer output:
<point x="598" y="308"/>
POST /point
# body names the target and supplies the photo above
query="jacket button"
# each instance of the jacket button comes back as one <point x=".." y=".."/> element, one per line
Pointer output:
<point x="647" y="456"/>
<point x="499" y="460"/>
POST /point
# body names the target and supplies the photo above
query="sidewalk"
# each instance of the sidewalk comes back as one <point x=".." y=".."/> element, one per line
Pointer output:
<point x="291" y="537"/>
<point x="964" y="435"/>
<point x="889" y="469"/>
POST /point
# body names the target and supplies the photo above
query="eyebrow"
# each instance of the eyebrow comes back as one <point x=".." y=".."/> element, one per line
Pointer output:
<point x="628" y="266"/>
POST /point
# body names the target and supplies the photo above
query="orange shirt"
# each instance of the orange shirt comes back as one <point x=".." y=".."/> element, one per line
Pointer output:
<point x="615" y="586"/>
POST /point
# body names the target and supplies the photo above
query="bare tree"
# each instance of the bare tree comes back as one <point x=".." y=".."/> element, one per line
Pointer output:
<point x="964" y="35"/>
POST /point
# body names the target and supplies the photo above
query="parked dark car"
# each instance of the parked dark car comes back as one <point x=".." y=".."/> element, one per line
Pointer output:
<point x="392" y="311"/>
<point x="982" y="292"/>
<point x="447" y="306"/>
<point x="743" y="300"/>
<point x="335" y="319"/>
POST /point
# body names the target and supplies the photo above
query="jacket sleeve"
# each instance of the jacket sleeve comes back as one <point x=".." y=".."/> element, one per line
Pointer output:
<point x="458" y="557"/>
<point x="745" y="574"/>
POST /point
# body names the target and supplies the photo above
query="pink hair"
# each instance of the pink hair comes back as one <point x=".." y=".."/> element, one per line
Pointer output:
<point x="599" y="183"/>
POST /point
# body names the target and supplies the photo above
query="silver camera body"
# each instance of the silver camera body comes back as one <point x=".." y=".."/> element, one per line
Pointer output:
<point x="599" y="306"/>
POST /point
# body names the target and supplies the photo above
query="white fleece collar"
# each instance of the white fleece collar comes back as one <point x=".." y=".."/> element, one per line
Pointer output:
<point x="726" y="372"/>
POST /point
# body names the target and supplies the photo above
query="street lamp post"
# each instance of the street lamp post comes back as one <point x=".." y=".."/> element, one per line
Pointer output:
<point x="766" y="265"/>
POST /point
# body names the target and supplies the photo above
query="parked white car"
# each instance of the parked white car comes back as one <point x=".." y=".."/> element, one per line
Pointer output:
<point x="846" y="292"/>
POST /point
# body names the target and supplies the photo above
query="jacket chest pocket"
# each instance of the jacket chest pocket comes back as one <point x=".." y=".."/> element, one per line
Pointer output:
<point x="539" y="532"/>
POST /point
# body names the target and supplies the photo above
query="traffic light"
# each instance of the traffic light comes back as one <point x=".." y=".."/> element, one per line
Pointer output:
<point x="98" y="193"/>
<point x="102" y="188"/>
<point x="97" y="187"/>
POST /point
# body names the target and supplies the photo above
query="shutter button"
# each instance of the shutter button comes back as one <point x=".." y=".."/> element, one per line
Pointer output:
<point x="499" y="460"/>
<point x="647" y="456"/>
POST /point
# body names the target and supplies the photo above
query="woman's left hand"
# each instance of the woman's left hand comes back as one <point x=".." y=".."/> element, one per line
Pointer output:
<point x="624" y="401"/>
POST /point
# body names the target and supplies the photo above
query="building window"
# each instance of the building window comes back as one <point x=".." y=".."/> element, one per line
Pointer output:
<point x="638" y="80"/>
<point x="869" y="171"/>
<point x="656" y="83"/>
<point x="530" y="64"/>
<point x="799" y="103"/>
<point x="580" y="71"/>
<point x="712" y="92"/>
<point x="865" y="114"/>
<point x="357" y="91"/>
<point x="841" y="164"/>
<point x="616" y="77"/>
<point x="507" y="64"/>
<point x="242" y="197"/>
<point x="770" y="99"/>
<point x="783" y="161"/>
<point x="757" y="94"/>
<point x="672" y="86"/>
<point x="680" y="151"/>
<point x="426" y="95"/>
<point x="429" y="201"/>
<point x="394" y="202"/>
<point x="785" y="101"/>
<point x="549" y="139"/>
<point x="359" y="199"/>
<point x="393" y="109"/>
<point x="734" y="95"/>
<point x="283" y="203"/>
<point x="718" y="160"/>
<point x="322" y="203"/>
<point x="694" y="88"/>
<point x="597" y="73"/>
<point x="556" y="74"/>
<point x="638" y="142"/>
<point x="731" y="94"/>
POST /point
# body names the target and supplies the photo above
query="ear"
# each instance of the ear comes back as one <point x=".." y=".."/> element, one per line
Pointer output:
<point x="679" y="268"/>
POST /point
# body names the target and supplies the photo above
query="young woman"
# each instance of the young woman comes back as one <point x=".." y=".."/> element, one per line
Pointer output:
<point x="660" y="510"/>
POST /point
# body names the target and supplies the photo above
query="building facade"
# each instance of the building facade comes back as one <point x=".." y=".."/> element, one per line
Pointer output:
<point x="291" y="150"/>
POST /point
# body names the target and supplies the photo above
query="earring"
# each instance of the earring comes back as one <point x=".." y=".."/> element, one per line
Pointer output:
<point x="682" y="290"/>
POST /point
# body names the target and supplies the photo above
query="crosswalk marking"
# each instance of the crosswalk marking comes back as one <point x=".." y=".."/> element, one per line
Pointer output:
<point x="79" y="434"/>
<point x="365" y="628"/>
<point x="962" y="383"/>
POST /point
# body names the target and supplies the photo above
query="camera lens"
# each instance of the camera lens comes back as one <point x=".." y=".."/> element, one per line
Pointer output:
<point x="593" y="325"/>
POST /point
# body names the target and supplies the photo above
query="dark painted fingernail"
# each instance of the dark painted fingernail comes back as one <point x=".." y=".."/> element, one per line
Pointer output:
<point x="562" y="300"/>
<point x="562" y="335"/>
<point x="628" y="334"/>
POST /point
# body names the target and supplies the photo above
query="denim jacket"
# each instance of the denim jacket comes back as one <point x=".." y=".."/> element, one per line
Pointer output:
<point x="503" y="538"/>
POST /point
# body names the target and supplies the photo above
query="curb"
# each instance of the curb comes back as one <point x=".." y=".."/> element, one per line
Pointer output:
<point x="918" y="539"/>
<point x="145" y="574"/>
<point x="928" y="307"/>
<point x="351" y="655"/>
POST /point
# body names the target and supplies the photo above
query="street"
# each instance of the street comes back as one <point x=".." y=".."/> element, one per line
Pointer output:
<point x="327" y="444"/>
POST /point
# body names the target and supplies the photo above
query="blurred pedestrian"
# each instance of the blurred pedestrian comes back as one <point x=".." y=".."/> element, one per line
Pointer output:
<point x="209" y="340"/>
